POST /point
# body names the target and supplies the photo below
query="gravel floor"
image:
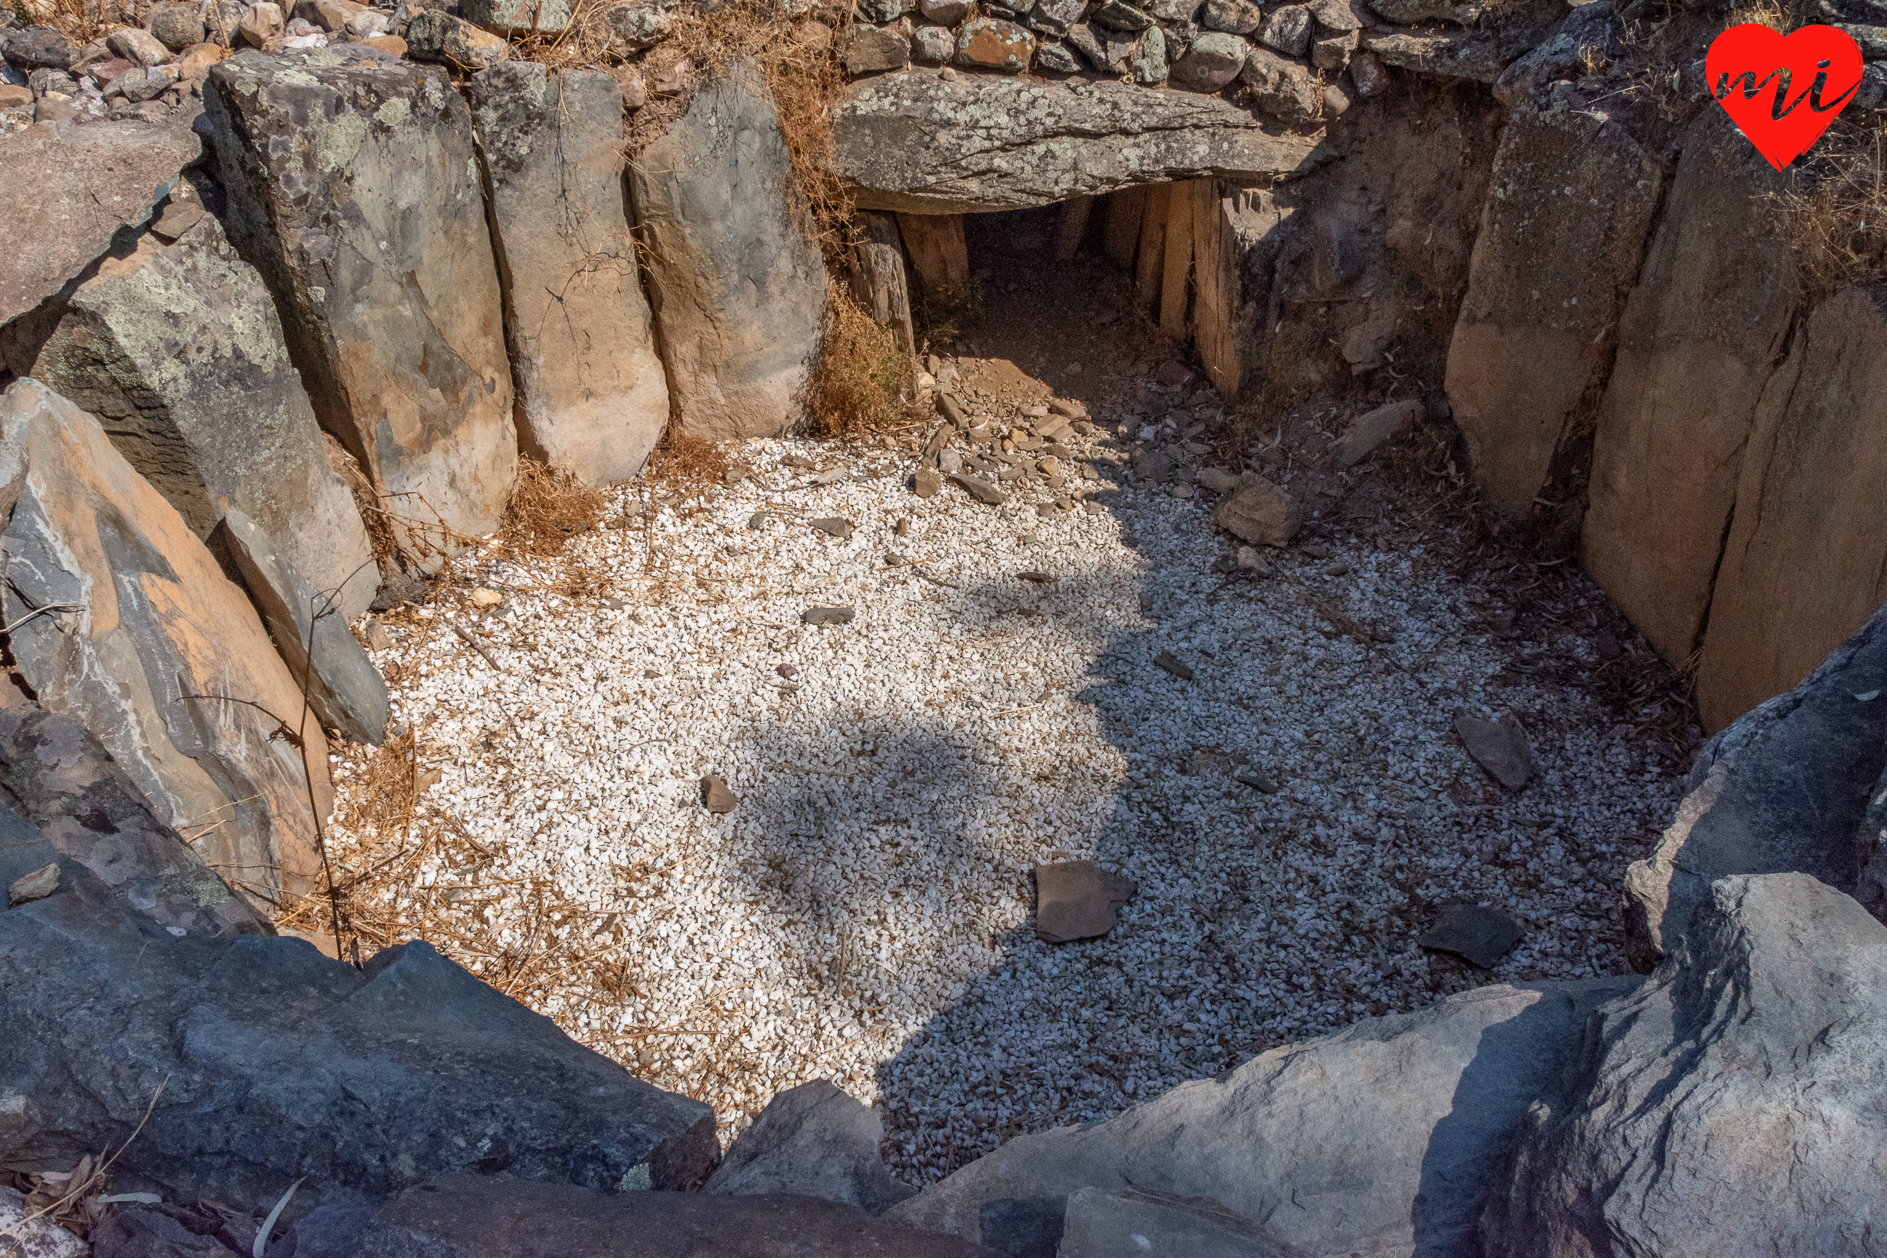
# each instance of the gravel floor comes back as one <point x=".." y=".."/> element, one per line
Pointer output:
<point x="864" y="913"/>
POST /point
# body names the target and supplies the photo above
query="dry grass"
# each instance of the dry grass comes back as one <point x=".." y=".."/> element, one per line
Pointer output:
<point x="80" y="21"/>
<point x="855" y="387"/>
<point x="1768" y="13"/>
<point x="548" y="507"/>
<point x="531" y="952"/>
<point x="683" y="463"/>
<point x="1835" y="219"/>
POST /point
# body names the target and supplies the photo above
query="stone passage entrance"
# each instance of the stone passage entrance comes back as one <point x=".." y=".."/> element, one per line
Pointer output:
<point x="1169" y="247"/>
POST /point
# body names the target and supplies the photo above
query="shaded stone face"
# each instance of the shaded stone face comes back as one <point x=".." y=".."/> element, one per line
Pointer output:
<point x="992" y="44"/>
<point x="920" y="144"/>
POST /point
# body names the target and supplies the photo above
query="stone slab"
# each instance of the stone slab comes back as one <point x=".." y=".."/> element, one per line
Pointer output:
<point x="920" y="144"/>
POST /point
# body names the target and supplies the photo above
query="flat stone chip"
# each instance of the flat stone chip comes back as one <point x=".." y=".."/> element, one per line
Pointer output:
<point x="1172" y="663"/>
<point x="1076" y="900"/>
<point x="979" y="489"/>
<point x="827" y="616"/>
<point x="927" y="483"/>
<point x="1475" y="934"/>
<point x="1497" y="746"/>
<point x="715" y="795"/>
<point x="37" y="885"/>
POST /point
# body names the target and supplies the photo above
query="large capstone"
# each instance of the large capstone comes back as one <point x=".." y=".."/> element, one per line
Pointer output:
<point x="923" y="144"/>
<point x="353" y="185"/>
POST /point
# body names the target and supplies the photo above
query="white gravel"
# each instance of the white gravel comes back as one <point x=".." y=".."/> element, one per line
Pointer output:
<point x="864" y="914"/>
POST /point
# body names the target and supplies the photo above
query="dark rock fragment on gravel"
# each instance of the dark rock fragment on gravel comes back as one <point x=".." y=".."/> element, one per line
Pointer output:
<point x="1076" y="900"/>
<point x="1500" y="747"/>
<point x="1481" y="936"/>
<point x="1171" y="663"/>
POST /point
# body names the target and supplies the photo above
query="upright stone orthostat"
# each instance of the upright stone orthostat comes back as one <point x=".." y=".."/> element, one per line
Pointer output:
<point x="739" y="287"/>
<point x="592" y="396"/>
<point x="353" y="185"/>
<point x="1561" y="239"/>
<point x="122" y="620"/>
<point x="1801" y="565"/>
<point x="178" y="352"/>
<point x="1702" y="333"/>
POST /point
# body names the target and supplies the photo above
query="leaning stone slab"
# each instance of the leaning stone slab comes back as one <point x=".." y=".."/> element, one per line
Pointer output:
<point x="323" y="656"/>
<point x="69" y="189"/>
<point x="1733" y="1105"/>
<point x="811" y="1141"/>
<point x="178" y="351"/>
<point x="920" y="144"/>
<point x="1785" y="788"/>
<point x="738" y="286"/>
<point x="593" y="398"/>
<point x="123" y="621"/>
<point x="59" y="778"/>
<point x="283" y="1065"/>
<point x="1365" y="1140"/>
<point x="353" y="183"/>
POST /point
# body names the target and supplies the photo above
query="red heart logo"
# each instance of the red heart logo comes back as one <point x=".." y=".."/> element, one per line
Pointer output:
<point x="1780" y="90"/>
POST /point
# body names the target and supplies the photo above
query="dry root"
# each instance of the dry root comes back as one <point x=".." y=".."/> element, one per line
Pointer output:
<point x="548" y="507"/>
